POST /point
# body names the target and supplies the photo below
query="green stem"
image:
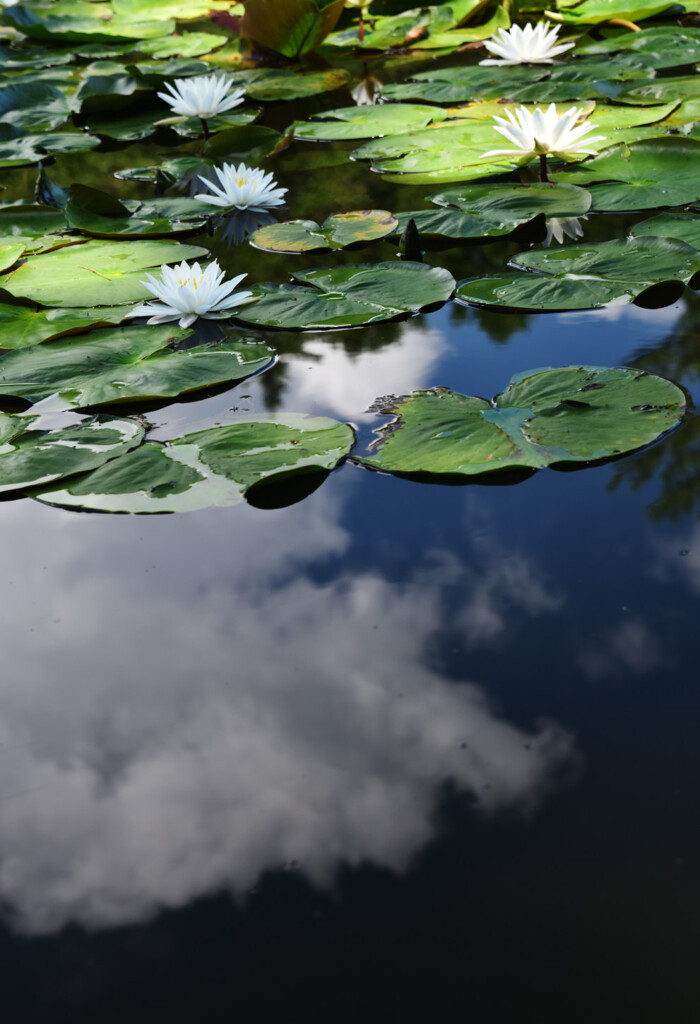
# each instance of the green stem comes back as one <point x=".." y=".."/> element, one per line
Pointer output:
<point x="543" y="167"/>
<point x="205" y="127"/>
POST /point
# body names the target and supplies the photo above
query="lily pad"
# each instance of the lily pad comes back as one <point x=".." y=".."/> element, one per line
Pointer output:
<point x="366" y="122"/>
<point x="31" y="456"/>
<point x="211" y="467"/>
<point x="657" y="172"/>
<point x="127" y="364"/>
<point x="480" y="211"/>
<point x="22" y="325"/>
<point x="539" y="294"/>
<point x="9" y="254"/>
<point x="94" y="274"/>
<point x="348" y="296"/>
<point x="574" y="414"/>
<point x="643" y="261"/>
<point x="685" y="226"/>
<point x="99" y="214"/>
<point x="337" y="231"/>
<point x="33" y="105"/>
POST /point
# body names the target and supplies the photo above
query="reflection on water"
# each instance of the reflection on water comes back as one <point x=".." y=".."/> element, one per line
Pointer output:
<point x="256" y="718"/>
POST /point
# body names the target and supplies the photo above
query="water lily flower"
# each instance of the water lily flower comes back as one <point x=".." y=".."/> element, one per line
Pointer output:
<point x="543" y="132"/>
<point x="242" y="187"/>
<point x="202" y="96"/>
<point x="534" y="44"/>
<point x="185" y="292"/>
<point x="367" y="91"/>
<point x="560" y="227"/>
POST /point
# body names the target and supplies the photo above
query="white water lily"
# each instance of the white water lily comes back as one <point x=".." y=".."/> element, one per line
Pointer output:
<point x="534" y="44"/>
<point x="242" y="187"/>
<point x="202" y="96"/>
<point x="185" y="292"/>
<point x="543" y="132"/>
<point x="560" y="227"/>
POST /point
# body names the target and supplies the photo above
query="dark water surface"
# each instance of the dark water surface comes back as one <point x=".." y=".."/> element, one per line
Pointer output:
<point x="393" y="750"/>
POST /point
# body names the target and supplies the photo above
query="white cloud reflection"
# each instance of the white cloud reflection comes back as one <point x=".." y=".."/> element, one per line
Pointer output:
<point x="187" y="707"/>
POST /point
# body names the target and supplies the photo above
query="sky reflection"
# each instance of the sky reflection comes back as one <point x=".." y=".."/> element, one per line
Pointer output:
<point x="175" y="724"/>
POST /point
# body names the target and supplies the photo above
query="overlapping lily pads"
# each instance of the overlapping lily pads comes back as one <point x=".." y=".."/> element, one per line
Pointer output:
<point x="127" y="364"/>
<point x="644" y="175"/>
<point x="573" y="414"/>
<point x="211" y="467"/>
<point x="366" y="122"/>
<point x="32" y="455"/>
<point x="585" y="276"/>
<point x="348" y="296"/>
<point x="337" y="232"/>
<point x="100" y="214"/>
<point x="479" y="211"/>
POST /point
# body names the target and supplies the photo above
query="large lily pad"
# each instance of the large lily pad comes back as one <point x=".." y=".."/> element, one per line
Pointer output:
<point x="685" y="226"/>
<point x="337" y="231"/>
<point x="31" y="455"/>
<point x="479" y="211"/>
<point x="536" y="293"/>
<point x="656" y="172"/>
<point x="79" y="22"/>
<point x="211" y="467"/>
<point x="22" y="325"/>
<point x="33" y="105"/>
<point x="584" y="276"/>
<point x="574" y="414"/>
<point x="662" y="46"/>
<point x="94" y="274"/>
<point x="366" y="122"/>
<point x="127" y="364"/>
<point x="644" y="261"/>
<point x="348" y="296"/>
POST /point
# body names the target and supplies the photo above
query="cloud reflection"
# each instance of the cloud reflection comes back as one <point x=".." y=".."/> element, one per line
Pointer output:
<point x="187" y="709"/>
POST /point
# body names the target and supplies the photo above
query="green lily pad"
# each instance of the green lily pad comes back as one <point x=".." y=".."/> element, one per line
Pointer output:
<point x="480" y="211"/>
<point x="271" y="84"/>
<point x="31" y="456"/>
<point x="99" y="214"/>
<point x="127" y="364"/>
<point x="592" y="12"/>
<point x="537" y="293"/>
<point x="186" y="44"/>
<point x="643" y="261"/>
<point x="94" y="274"/>
<point x="211" y="467"/>
<point x="293" y="28"/>
<point x="684" y="226"/>
<point x="574" y="414"/>
<point x="366" y="122"/>
<point x="337" y="231"/>
<point x="22" y="325"/>
<point x="33" y="105"/>
<point x="348" y="296"/>
<point x="662" y="46"/>
<point x="79" y="22"/>
<point x="9" y="254"/>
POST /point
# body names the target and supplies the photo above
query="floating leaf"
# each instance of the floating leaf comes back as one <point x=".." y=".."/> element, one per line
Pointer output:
<point x="287" y="84"/>
<point x="33" y="105"/>
<point x="210" y="467"/>
<point x="539" y="294"/>
<point x="127" y="364"/>
<point x="348" y="296"/>
<point x="9" y="254"/>
<point x="656" y="172"/>
<point x="477" y="211"/>
<point x="23" y="325"/>
<point x="337" y="231"/>
<point x="31" y="456"/>
<point x="684" y="226"/>
<point x="584" y="276"/>
<point x="574" y="414"/>
<point x="94" y="274"/>
<point x="81" y="23"/>
<point x="366" y="122"/>
<point x="98" y="213"/>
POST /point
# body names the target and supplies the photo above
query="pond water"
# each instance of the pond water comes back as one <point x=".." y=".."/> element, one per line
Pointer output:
<point x="389" y="748"/>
